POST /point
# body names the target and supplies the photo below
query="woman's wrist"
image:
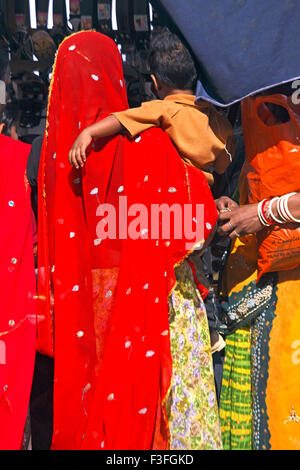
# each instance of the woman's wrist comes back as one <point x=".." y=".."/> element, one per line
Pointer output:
<point x="263" y="213"/>
<point x="294" y="205"/>
<point x="279" y="210"/>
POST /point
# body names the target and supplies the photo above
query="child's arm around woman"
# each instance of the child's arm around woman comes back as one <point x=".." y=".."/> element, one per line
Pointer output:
<point x="105" y="128"/>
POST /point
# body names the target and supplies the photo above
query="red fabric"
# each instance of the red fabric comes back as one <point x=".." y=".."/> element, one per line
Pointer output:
<point x="202" y="289"/>
<point x="33" y="228"/>
<point x="112" y="355"/>
<point x="17" y="293"/>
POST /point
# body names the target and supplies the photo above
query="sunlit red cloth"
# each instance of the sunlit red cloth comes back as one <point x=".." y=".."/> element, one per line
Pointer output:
<point x="17" y="293"/>
<point x="113" y="364"/>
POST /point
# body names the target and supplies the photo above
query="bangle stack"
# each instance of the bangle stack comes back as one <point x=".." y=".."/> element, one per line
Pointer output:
<point x="266" y="215"/>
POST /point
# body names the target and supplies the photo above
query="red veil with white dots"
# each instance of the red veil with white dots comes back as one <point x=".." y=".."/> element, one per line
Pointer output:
<point x="105" y="299"/>
<point x="17" y="293"/>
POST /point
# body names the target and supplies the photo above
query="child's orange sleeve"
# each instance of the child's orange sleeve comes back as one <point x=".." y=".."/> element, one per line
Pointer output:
<point x="137" y="120"/>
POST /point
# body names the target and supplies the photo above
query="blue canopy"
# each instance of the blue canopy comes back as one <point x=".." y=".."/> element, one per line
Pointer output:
<point x="242" y="46"/>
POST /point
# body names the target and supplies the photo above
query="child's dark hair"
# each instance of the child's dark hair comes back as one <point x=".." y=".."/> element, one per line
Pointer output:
<point x="171" y="62"/>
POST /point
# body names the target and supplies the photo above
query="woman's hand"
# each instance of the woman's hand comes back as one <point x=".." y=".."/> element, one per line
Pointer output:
<point x="225" y="203"/>
<point x="239" y="221"/>
<point x="77" y="154"/>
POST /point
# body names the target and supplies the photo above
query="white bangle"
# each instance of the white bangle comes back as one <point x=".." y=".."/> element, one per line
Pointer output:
<point x="271" y="212"/>
<point x="280" y="209"/>
<point x="285" y="198"/>
<point x="261" y="217"/>
<point x="292" y="218"/>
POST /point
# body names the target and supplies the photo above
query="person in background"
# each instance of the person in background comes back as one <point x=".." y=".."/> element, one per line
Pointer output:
<point x="17" y="285"/>
<point x="259" y="405"/>
<point x="41" y="399"/>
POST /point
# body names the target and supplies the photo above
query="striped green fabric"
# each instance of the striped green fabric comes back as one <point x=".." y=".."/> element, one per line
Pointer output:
<point x="235" y="401"/>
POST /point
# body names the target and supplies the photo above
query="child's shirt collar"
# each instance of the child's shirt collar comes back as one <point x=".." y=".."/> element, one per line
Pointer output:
<point x="183" y="98"/>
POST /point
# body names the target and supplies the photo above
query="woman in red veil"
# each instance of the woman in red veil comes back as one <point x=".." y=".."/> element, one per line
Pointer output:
<point x="18" y="293"/>
<point x="133" y="365"/>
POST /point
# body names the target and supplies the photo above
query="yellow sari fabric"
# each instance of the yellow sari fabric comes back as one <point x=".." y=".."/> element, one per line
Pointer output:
<point x="279" y="376"/>
<point x="283" y="397"/>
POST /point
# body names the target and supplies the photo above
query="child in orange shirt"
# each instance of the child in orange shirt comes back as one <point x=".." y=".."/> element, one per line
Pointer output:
<point x="202" y="136"/>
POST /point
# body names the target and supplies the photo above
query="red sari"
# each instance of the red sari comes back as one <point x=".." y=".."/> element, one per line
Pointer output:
<point x="17" y="293"/>
<point x="113" y="364"/>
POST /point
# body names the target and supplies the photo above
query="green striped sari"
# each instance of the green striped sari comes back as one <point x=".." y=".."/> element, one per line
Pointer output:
<point x="235" y="403"/>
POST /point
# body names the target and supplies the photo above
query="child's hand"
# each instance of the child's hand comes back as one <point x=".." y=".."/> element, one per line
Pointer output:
<point x="77" y="154"/>
<point x="104" y="128"/>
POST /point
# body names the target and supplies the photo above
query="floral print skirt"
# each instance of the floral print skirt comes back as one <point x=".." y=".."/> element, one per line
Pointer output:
<point x="192" y="404"/>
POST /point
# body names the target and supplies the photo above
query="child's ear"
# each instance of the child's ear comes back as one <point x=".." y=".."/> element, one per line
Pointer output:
<point x="2" y="125"/>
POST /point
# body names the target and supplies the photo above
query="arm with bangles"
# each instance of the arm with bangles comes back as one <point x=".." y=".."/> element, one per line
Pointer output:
<point x="235" y="221"/>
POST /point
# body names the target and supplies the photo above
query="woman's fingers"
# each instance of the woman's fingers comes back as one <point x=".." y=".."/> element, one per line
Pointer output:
<point x="234" y="234"/>
<point x="225" y="229"/>
<point x="221" y="203"/>
<point x="232" y="204"/>
<point x="228" y="222"/>
<point x="239" y="222"/>
<point x="223" y="216"/>
<point x="225" y="202"/>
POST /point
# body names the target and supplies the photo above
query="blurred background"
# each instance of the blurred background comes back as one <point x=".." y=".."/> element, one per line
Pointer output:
<point x="31" y="31"/>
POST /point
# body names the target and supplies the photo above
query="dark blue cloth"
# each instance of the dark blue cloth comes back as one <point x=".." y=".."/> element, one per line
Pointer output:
<point x="242" y="46"/>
